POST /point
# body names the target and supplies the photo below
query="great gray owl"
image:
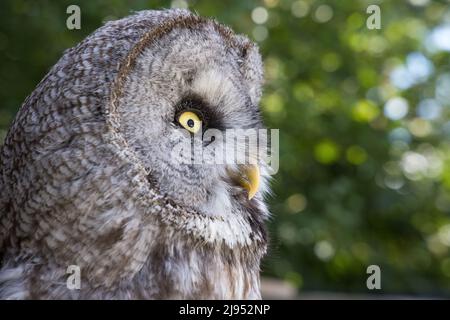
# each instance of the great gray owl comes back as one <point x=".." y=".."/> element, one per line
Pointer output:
<point x="87" y="179"/>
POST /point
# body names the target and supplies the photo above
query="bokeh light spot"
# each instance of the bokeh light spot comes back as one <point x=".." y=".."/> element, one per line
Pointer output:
<point x="396" y="108"/>
<point x="260" y="33"/>
<point x="273" y="103"/>
<point x="324" y="250"/>
<point x="439" y="39"/>
<point x="271" y="3"/>
<point x="429" y="109"/>
<point x="331" y="62"/>
<point x="260" y="15"/>
<point x="444" y="235"/>
<point x="400" y="134"/>
<point x="365" y="111"/>
<point x="300" y="8"/>
<point x="323" y="13"/>
<point x="181" y="4"/>
<point x="296" y="203"/>
<point x="356" y="155"/>
<point x="419" y="127"/>
<point x="326" y="152"/>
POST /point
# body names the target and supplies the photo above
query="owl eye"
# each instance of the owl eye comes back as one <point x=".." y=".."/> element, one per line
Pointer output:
<point x="190" y="121"/>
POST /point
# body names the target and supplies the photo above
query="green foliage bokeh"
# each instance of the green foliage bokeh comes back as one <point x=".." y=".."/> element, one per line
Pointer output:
<point x="356" y="186"/>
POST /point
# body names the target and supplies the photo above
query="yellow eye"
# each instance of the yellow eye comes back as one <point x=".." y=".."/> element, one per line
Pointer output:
<point x="190" y="121"/>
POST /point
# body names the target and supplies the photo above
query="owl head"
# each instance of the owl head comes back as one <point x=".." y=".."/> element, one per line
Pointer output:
<point x="186" y="92"/>
<point x="119" y="161"/>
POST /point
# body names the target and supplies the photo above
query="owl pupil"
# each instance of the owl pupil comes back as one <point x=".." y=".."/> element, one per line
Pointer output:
<point x="190" y="123"/>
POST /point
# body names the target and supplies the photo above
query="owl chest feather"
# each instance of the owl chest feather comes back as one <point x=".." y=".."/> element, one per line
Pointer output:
<point x="200" y="271"/>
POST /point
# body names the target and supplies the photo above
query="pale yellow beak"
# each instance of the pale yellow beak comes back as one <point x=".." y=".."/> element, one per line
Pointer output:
<point x="250" y="180"/>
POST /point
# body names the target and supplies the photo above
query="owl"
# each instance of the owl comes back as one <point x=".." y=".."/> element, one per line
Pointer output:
<point x="88" y="178"/>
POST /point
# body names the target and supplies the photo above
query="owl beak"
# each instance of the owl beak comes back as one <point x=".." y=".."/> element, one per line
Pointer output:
<point x="250" y="180"/>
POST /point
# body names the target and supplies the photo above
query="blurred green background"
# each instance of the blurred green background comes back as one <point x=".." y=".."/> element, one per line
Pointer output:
<point x="364" y="130"/>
